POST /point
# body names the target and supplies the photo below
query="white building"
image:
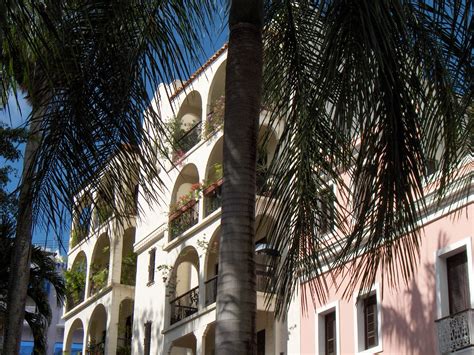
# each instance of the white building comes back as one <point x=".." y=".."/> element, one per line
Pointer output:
<point x="163" y="302"/>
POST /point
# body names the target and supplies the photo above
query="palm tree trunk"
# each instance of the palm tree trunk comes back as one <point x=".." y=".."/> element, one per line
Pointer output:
<point x="236" y="296"/>
<point x="20" y="261"/>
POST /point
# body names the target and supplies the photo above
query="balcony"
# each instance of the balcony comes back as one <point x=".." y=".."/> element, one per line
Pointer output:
<point x="212" y="197"/>
<point x="188" y="140"/>
<point x="211" y="290"/>
<point x="456" y="332"/>
<point x="183" y="219"/>
<point x="185" y="305"/>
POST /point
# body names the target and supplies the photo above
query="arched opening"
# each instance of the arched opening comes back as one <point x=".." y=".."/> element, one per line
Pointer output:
<point x="75" y="338"/>
<point x="97" y="331"/>
<point x="216" y="102"/>
<point x="185" y="127"/>
<point x="103" y="208"/>
<point x="186" y="345"/>
<point x="184" y="209"/>
<point x="209" y="340"/>
<point x="183" y="286"/>
<point x="213" y="189"/>
<point x="212" y="267"/>
<point x="125" y="327"/>
<point x="76" y="281"/>
<point x="267" y="143"/>
<point x="99" y="270"/>
<point x="129" y="259"/>
<point x="81" y="220"/>
<point x="264" y="254"/>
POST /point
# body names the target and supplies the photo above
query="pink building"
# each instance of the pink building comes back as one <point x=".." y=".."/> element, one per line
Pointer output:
<point x="433" y="314"/>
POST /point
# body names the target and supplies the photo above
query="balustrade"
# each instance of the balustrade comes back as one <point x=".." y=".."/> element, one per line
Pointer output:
<point x="456" y="332"/>
<point x="184" y="305"/>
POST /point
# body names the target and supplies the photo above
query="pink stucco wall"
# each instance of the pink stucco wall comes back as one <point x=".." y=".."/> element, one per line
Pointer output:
<point x="408" y="313"/>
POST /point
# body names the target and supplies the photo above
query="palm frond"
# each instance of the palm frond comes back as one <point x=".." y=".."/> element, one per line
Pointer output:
<point x="89" y="69"/>
<point x="374" y="87"/>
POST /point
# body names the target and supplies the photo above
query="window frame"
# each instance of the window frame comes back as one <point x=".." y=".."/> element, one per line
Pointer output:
<point x="151" y="268"/>
<point x="320" y="327"/>
<point x="360" y="324"/>
<point x="441" y="255"/>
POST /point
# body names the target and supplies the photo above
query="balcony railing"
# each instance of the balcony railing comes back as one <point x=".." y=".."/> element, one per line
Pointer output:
<point x="185" y="305"/>
<point x="456" y="331"/>
<point x="96" y="349"/>
<point x="212" y="197"/>
<point x="211" y="290"/>
<point x="183" y="219"/>
<point x="190" y="138"/>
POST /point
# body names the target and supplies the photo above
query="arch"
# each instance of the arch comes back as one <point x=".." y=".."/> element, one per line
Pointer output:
<point x="183" y="286"/>
<point x="75" y="338"/>
<point x="184" y="211"/>
<point x="125" y="326"/>
<point x="76" y="281"/>
<point x="184" y="344"/>
<point x="217" y="87"/>
<point x="211" y="267"/>
<point x="128" y="269"/>
<point x="97" y="333"/>
<point x="100" y="261"/>
<point x="209" y="339"/>
<point x="190" y="111"/>
<point x="213" y="179"/>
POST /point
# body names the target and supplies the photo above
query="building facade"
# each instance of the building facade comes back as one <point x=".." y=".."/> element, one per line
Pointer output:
<point x="149" y="285"/>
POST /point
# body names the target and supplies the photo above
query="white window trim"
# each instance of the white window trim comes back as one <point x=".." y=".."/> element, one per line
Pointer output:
<point x="376" y="349"/>
<point x="319" y="323"/>
<point x="442" y="303"/>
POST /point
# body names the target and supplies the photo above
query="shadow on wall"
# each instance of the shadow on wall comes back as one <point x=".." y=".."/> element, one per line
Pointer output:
<point x="410" y="325"/>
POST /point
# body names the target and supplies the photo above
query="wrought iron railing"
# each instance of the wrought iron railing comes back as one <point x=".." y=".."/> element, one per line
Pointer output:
<point x="183" y="219"/>
<point x="456" y="332"/>
<point x="190" y="138"/>
<point x="185" y="305"/>
<point x="212" y="198"/>
<point x="96" y="348"/>
<point x="211" y="290"/>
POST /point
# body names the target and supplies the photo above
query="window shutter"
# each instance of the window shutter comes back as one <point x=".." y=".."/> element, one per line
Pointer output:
<point x="458" y="290"/>
<point x="147" y="341"/>
<point x="370" y="321"/>
<point x="330" y="334"/>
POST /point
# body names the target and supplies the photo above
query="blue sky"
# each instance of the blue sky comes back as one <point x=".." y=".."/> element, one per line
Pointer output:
<point x="18" y="115"/>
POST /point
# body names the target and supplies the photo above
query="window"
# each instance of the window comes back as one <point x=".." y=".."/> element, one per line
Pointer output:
<point x="454" y="278"/>
<point x="326" y="209"/>
<point x="458" y="285"/>
<point x="147" y="340"/>
<point x="261" y="342"/>
<point x="151" y="266"/>
<point x="327" y="329"/>
<point x="330" y="333"/>
<point x="368" y="322"/>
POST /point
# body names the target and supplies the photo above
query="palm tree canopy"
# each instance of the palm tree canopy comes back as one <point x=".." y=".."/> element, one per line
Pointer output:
<point x="88" y="68"/>
<point x="369" y="90"/>
<point x="365" y="87"/>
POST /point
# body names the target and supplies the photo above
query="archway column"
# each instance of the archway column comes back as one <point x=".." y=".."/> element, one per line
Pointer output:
<point x="200" y="335"/>
<point x="112" y="327"/>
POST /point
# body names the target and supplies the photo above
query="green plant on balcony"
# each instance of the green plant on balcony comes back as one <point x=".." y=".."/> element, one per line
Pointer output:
<point x="75" y="285"/>
<point x="99" y="278"/>
<point x="103" y="212"/>
<point x="129" y="269"/>
<point x="215" y="118"/>
<point x="182" y="137"/>
<point x="78" y="234"/>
